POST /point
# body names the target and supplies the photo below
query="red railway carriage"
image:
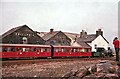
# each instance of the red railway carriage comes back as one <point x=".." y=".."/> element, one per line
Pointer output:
<point x="71" y="51"/>
<point x="24" y="51"/>
<point x="36" y="51"/>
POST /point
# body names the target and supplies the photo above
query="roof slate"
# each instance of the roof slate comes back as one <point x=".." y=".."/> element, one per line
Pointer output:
<point x="82" y="44"/>
<point x="49" y="35"/>
<point x="87" y="38"/>
<point x="71" y="35"/>
<point x="15" y="29"/>
<point x="10" y="31"/>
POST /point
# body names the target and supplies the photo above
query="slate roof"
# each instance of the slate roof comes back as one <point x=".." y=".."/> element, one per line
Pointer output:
<point x="82" y="41"/>
<point x="10" y="31"/>
<point x="41" y="34"/>
<point x="71" y="35"/>
<point x="87" y="38"/>
<point x="84" y="45"/>
<point x="50" y="35"/>
<point x="15" y="29"/>
<point x="81" y="44"/>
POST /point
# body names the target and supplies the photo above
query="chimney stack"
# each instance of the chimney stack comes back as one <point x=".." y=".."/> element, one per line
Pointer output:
<point x="51" y="31"/>
<point x="83" y="33"/>
<point x="99" y="32"/>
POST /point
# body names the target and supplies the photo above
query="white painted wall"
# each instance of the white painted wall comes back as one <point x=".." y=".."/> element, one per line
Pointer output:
<point x="100" y="42"/>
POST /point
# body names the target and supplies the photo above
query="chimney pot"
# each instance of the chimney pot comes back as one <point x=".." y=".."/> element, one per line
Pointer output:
<point x="83" y="33"/>
<point x="51" y="31"/>
<point x="99" y="32"/>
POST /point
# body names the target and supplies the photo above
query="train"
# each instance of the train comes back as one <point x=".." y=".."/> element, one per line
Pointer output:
<point x="42" y="51"/>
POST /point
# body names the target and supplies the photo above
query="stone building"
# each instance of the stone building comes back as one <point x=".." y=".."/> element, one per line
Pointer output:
<point x="25" y="35"/>
<point x="56" y="38"/>
<point x="21" y="35"/>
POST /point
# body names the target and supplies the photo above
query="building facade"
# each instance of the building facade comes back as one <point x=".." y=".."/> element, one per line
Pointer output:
<point x="25" y="35"/>
<point x="56" y="38"/>
<point x="21" y="35"/>
<point x="94" y="40"/>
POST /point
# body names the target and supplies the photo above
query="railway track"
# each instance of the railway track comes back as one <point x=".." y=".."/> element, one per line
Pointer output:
<point x="33" y="61"/>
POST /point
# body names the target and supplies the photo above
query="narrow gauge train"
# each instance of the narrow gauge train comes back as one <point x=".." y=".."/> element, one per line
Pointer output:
<point x="39" y="51"/>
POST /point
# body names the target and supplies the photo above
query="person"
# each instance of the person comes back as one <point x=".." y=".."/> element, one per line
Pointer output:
<point x="116" y="46"/>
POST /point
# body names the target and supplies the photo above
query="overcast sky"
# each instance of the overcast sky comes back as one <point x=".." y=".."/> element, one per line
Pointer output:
<point x="65" y="15"/>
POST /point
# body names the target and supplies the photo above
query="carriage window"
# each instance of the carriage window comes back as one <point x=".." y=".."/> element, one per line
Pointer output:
<point x="9" y="49"/>
<point x="82" y="50"/>
<point x="59" y="50"/>
<point x="42" y="49"/>
<point x="78" y="50"/>
<point x="32" y="49"/>
<point x="67" y="50"/>
<point x="56" y="50"/>
<point x="87" y="50"/>
<point x="25" y="49"/>
<point x="64" y="50"/>
<point x="4" y="49"/>
<point x="18" y="49"/>
<point x="46" y="50"/>
<point x="38" y="50"/>
<point x="13" y="49"/>
<point x="74" y="50"/>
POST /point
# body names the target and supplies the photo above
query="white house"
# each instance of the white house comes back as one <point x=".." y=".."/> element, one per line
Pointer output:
<point x="99" y="42"/>
<point x="94" y="40"/>
<point x="83" y="39"/>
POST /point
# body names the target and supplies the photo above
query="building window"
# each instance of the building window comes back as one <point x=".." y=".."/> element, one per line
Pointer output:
<point x="29" y="34"/>
<point x="17" y="33"/>
<point x="95" y="46"/>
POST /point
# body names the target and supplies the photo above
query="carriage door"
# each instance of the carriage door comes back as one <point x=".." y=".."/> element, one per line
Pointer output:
<point x="52" y="51"/>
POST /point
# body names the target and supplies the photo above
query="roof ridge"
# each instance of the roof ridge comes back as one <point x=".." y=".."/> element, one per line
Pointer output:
<point x="11" y="31"/>
<point x="46" y="37"/>
<point x="70" y="33"/>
